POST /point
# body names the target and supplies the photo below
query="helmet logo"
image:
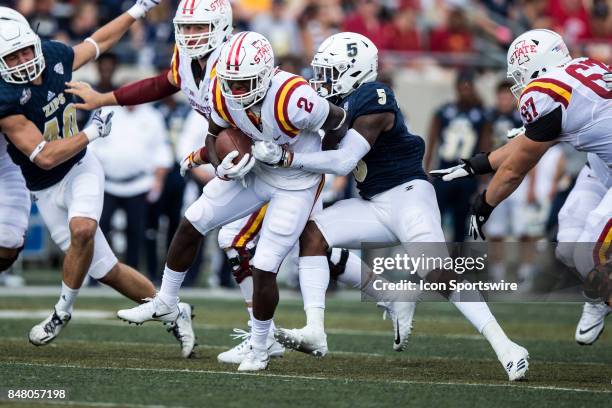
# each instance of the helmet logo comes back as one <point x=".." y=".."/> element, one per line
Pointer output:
<point x="521" y="52"/>
<point x="218" y="4"/>
<point x="264" y="51"/>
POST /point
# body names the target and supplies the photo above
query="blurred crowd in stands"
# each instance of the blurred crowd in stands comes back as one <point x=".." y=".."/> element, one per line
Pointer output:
<point x="411" y="29"/>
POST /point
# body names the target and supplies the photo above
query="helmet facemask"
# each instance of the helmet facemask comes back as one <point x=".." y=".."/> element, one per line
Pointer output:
<point x="27" y="71"/>
<point x="196" y="45"/>
<point x="257" y="86"/>
<point x="326" y="77"/>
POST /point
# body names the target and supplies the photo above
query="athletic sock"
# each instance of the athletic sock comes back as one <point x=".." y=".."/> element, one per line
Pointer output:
<point x="259" y="333"/>
<point x="67" y="298"/>
<point x="246" y="288"/>
<point x="496" y="337"/>
<point x="171" y="284"/>
<point x="472" y="307"/>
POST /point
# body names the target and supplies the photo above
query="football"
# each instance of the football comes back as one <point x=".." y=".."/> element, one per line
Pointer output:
<point x="230" y="140"/>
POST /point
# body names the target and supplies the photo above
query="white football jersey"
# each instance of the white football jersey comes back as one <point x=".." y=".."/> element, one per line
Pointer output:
<point x="5" y="160"/>
<point x="586" y="105"/>
<point x="196" y="93"/>
<point x="291" y="114"/>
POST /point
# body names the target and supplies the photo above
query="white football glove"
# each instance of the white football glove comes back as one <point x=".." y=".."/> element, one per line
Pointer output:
<point x="100" y="125"/>
<point x="462" y="170"/>
<point x="188" y="163"/>
<point x="227" y="170"/>
<point x="272" y="154"/>
<point x="514" y="132"/>
<point x="607" y="77"/>
<point x="142" y="7"/>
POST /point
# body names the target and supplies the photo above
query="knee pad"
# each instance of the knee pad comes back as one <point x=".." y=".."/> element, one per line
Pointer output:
<point x="240" y="261"/>
<point x="11" y="237"/>
<point x="337" y="269"/>
<point x="565" y="253"/>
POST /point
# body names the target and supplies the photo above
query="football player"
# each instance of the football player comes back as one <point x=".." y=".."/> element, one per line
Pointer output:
<point x="561" y="100"/>
<point x="397" y="202"/>
<point x="200" y="28"/>
<point x="38" y="119"/>
<point x="265" y="104"/>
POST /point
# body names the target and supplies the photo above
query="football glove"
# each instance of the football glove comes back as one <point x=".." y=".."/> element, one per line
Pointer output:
<point x="188" y="163"/>
<point x="481" y="211"/>
<point x="272" y="154"/>
<point x="142" y="7"/>
<point x="227" y="170"/>
<point x="476" y="165"/>
<point x="100" y="125"/>
<point x="514" y="132"/>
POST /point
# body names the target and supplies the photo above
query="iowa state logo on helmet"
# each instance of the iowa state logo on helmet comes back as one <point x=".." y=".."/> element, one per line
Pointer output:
<point x="264" y="51"/>
<point x="521" y="52"/>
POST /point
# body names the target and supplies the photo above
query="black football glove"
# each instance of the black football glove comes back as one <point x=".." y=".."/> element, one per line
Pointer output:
<point x="480" y="214"/>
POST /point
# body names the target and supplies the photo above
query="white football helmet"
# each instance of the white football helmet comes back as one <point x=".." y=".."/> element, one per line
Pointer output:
<point x="342" y="63"/>
<point x="16" y="34"/>
<point x="217" y="14"/>
<point x="533" y="54"/>
<point x="247" y="57"/>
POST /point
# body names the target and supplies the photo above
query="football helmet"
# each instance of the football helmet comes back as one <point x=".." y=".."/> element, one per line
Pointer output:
<point x="342" y="63"/>
<point x="216" y="14"/>
<point x="246" y="58"/>
<point x="533" y="54"/>
<point x="16" y="34"/>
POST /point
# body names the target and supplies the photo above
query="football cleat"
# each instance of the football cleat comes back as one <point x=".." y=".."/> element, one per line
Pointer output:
<point x="182" y="330"/>
<point x="305" y="340"/>
<point x="152" y="309"/>
<point x="591" y="323"/>
<point x="401" y="314"/>
<point x="47" y="330"/>
<point x="515" y="362"/>
<point x="255" y="360"/>
<point x="236" y="354"/>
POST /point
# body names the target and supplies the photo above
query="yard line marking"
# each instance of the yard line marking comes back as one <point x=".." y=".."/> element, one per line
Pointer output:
<point x="316" y="378"/>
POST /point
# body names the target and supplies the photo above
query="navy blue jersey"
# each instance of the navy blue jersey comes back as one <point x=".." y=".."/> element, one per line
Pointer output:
<point x="501" y="123"/>
<point x="460" y="133"/>
<point x="49" y="108"/>
<point x="397" y="155"/>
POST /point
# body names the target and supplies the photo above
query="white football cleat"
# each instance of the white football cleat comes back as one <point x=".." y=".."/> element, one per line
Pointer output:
<point x="306" y="340"/>
<point x="236" y="354"/>
<point x="182" y="330"/>
<point x="152" y="309"/>
<point x="255" y="360"/>
<point x="515" y="362"/>
<point x="591" y="323"/>
<point x="401" y="314"/>
<point x="47" y="330"/>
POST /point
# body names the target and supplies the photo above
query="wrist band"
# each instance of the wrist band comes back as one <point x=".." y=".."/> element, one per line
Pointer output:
<point x="37" y="150"/>
<point x="95" y="44"/>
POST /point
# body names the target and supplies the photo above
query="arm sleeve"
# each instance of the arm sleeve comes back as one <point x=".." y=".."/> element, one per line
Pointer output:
<point x="306" y="109"/>
<point x="144" y="91"/>
<point x="547" y="128"/>
<point x="340" y="161"/>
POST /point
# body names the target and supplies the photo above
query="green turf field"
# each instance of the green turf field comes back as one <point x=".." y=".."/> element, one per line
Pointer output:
<point x="104" y="362"/>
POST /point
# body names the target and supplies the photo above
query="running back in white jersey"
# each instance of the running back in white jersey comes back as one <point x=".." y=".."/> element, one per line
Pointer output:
<point x="182" y="72"/>
<point x="291" y="114"/>
<point x="578" y="93"/>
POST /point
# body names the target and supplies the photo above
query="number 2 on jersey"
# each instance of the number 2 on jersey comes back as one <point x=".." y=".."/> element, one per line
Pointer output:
<point x="303" y="103"/>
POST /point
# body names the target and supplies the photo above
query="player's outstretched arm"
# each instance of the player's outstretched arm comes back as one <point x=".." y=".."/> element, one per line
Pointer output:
<point x="355" y="144"/>
<point x="47" y="155"/>
<point x="108" y="35"/>
<point x="135" y="93"/>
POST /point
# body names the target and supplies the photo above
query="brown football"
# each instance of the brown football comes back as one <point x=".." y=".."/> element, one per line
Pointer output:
<point x="232" y="139"/>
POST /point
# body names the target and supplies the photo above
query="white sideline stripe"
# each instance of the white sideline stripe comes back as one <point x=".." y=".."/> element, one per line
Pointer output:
<point x="91" y="404"/>
<point x="316" y="378"/>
